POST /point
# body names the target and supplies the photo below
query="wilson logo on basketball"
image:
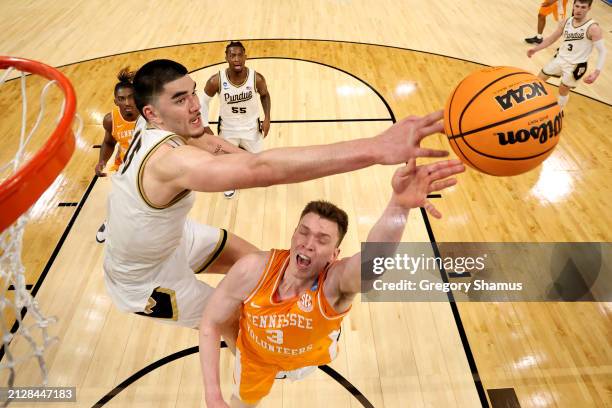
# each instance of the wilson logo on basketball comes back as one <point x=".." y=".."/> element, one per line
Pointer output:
<point x="305" y="302"/>
<point x="521" y="94"/>
<point x="543" y="132"/>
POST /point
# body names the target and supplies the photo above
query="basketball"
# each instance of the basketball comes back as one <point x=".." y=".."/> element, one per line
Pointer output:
<point x="502" y="121"/>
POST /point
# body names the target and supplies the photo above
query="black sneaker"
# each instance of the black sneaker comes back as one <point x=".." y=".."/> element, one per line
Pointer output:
<point x="101" y="234"/>
<point x="534" y="40"/>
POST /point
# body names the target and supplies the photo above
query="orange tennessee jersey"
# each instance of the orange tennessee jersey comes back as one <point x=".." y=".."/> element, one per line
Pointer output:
<point x="293" y="333"/>
<point x="122" y="132"/>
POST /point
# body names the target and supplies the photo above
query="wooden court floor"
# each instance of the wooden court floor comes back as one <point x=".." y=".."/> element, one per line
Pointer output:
<point x="396" y="355"/>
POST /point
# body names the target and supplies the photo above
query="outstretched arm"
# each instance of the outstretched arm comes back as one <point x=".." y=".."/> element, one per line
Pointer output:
<point x="221" y="309"/>
<point x="411" y="185"/>
<point x="264" y="96"/>
<point x="190" y="168"/>
<point x="214" y="144"/>
<point x="548" y="40"/>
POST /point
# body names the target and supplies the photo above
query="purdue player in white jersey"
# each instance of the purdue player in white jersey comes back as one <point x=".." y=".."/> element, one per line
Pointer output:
<point x="580" y="35"/>
<point x="152" y="249"/>
<point x="237" y="86"/>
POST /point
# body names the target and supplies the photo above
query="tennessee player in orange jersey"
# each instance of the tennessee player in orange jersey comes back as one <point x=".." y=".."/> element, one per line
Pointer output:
<point x="119" y="123"/>
<point x="119" y="127"/>
<point x="556" y="8"/>
<point x="292" y="302"/>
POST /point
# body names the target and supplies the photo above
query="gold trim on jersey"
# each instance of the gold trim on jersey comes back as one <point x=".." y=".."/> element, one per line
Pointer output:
<point x="572" y="23"/>
<point x="215" y="253"/>
<point x="176" y="198"/>
<point x="233" y="84"/>
<point x="255" y="81"/>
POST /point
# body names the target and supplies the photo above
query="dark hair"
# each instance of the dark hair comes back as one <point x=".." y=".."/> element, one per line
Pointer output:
<point x="234" y="44"/>
<point x="125" y="78"/>
<point x="329" y="211"/>
<point x="588" y="2"/>
<point x="150" y="79"/>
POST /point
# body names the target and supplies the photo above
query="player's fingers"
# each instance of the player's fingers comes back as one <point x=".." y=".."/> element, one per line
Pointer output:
<point x="421" y="152"/>
<point x="411" y="118"/>
<point x="432" y="210"/>
<point x="432" y="117"/>
<point x="441" y="185"/>
<point x="425" y="131"/>
<point x="440" y="164"/>
<point x="444" y="169"/>
<point x="406" y="170"/>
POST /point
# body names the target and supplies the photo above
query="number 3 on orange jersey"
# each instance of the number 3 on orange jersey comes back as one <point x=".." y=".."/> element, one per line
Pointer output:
<point x="275" y="336"/>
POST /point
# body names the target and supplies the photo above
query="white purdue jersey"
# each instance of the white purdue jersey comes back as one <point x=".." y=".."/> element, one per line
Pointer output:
<point x="142" y="237"/>
<point x="576" y="46"/>
<point x="239" y="107"/>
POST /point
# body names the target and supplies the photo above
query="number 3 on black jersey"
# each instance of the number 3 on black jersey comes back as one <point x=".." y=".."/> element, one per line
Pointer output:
<point x="236" y="109"/>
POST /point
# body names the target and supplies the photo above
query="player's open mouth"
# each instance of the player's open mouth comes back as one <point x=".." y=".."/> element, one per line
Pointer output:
<point x="302" y="260"/>
<point x="196" y="121"/>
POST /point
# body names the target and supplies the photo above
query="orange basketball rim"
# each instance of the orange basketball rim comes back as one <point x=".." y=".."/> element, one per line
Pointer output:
<point x="20" y="190"/>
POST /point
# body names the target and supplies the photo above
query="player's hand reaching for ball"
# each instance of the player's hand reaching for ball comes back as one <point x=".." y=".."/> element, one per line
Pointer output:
<point x="402" y="141"/>
<point x="530" y="52"/>
<point x="411" y="183"/>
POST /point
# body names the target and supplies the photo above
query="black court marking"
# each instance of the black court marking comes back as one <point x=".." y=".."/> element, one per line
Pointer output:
<point x="434" y="195"/>
<point x="96" y="146"/>
<point x="451" y="300"/>
<point x="426" y="220"/>
<point x="192" y="350"/>
<point x="302" y="39"/>
<point x="68" y="204"/>
<point x="383" y="100"/>
<point x="347" y="385"/>
<point x="28" y="287"/>
<point x="49" y="263"/>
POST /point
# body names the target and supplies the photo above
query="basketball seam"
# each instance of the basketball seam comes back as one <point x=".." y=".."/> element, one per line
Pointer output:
<point x="514" y="158"/>
<point x="451" y="139"/>
<point x="482" y="90"/>
<point x="522" y="115"/>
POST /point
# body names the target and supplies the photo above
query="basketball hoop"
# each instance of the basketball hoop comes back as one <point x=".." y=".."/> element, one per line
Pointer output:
<point x="22" y="189"/>
<point x="29" y="175"/>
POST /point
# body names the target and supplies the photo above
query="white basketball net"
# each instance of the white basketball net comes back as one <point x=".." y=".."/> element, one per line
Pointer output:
<point x="15" y="297"/>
